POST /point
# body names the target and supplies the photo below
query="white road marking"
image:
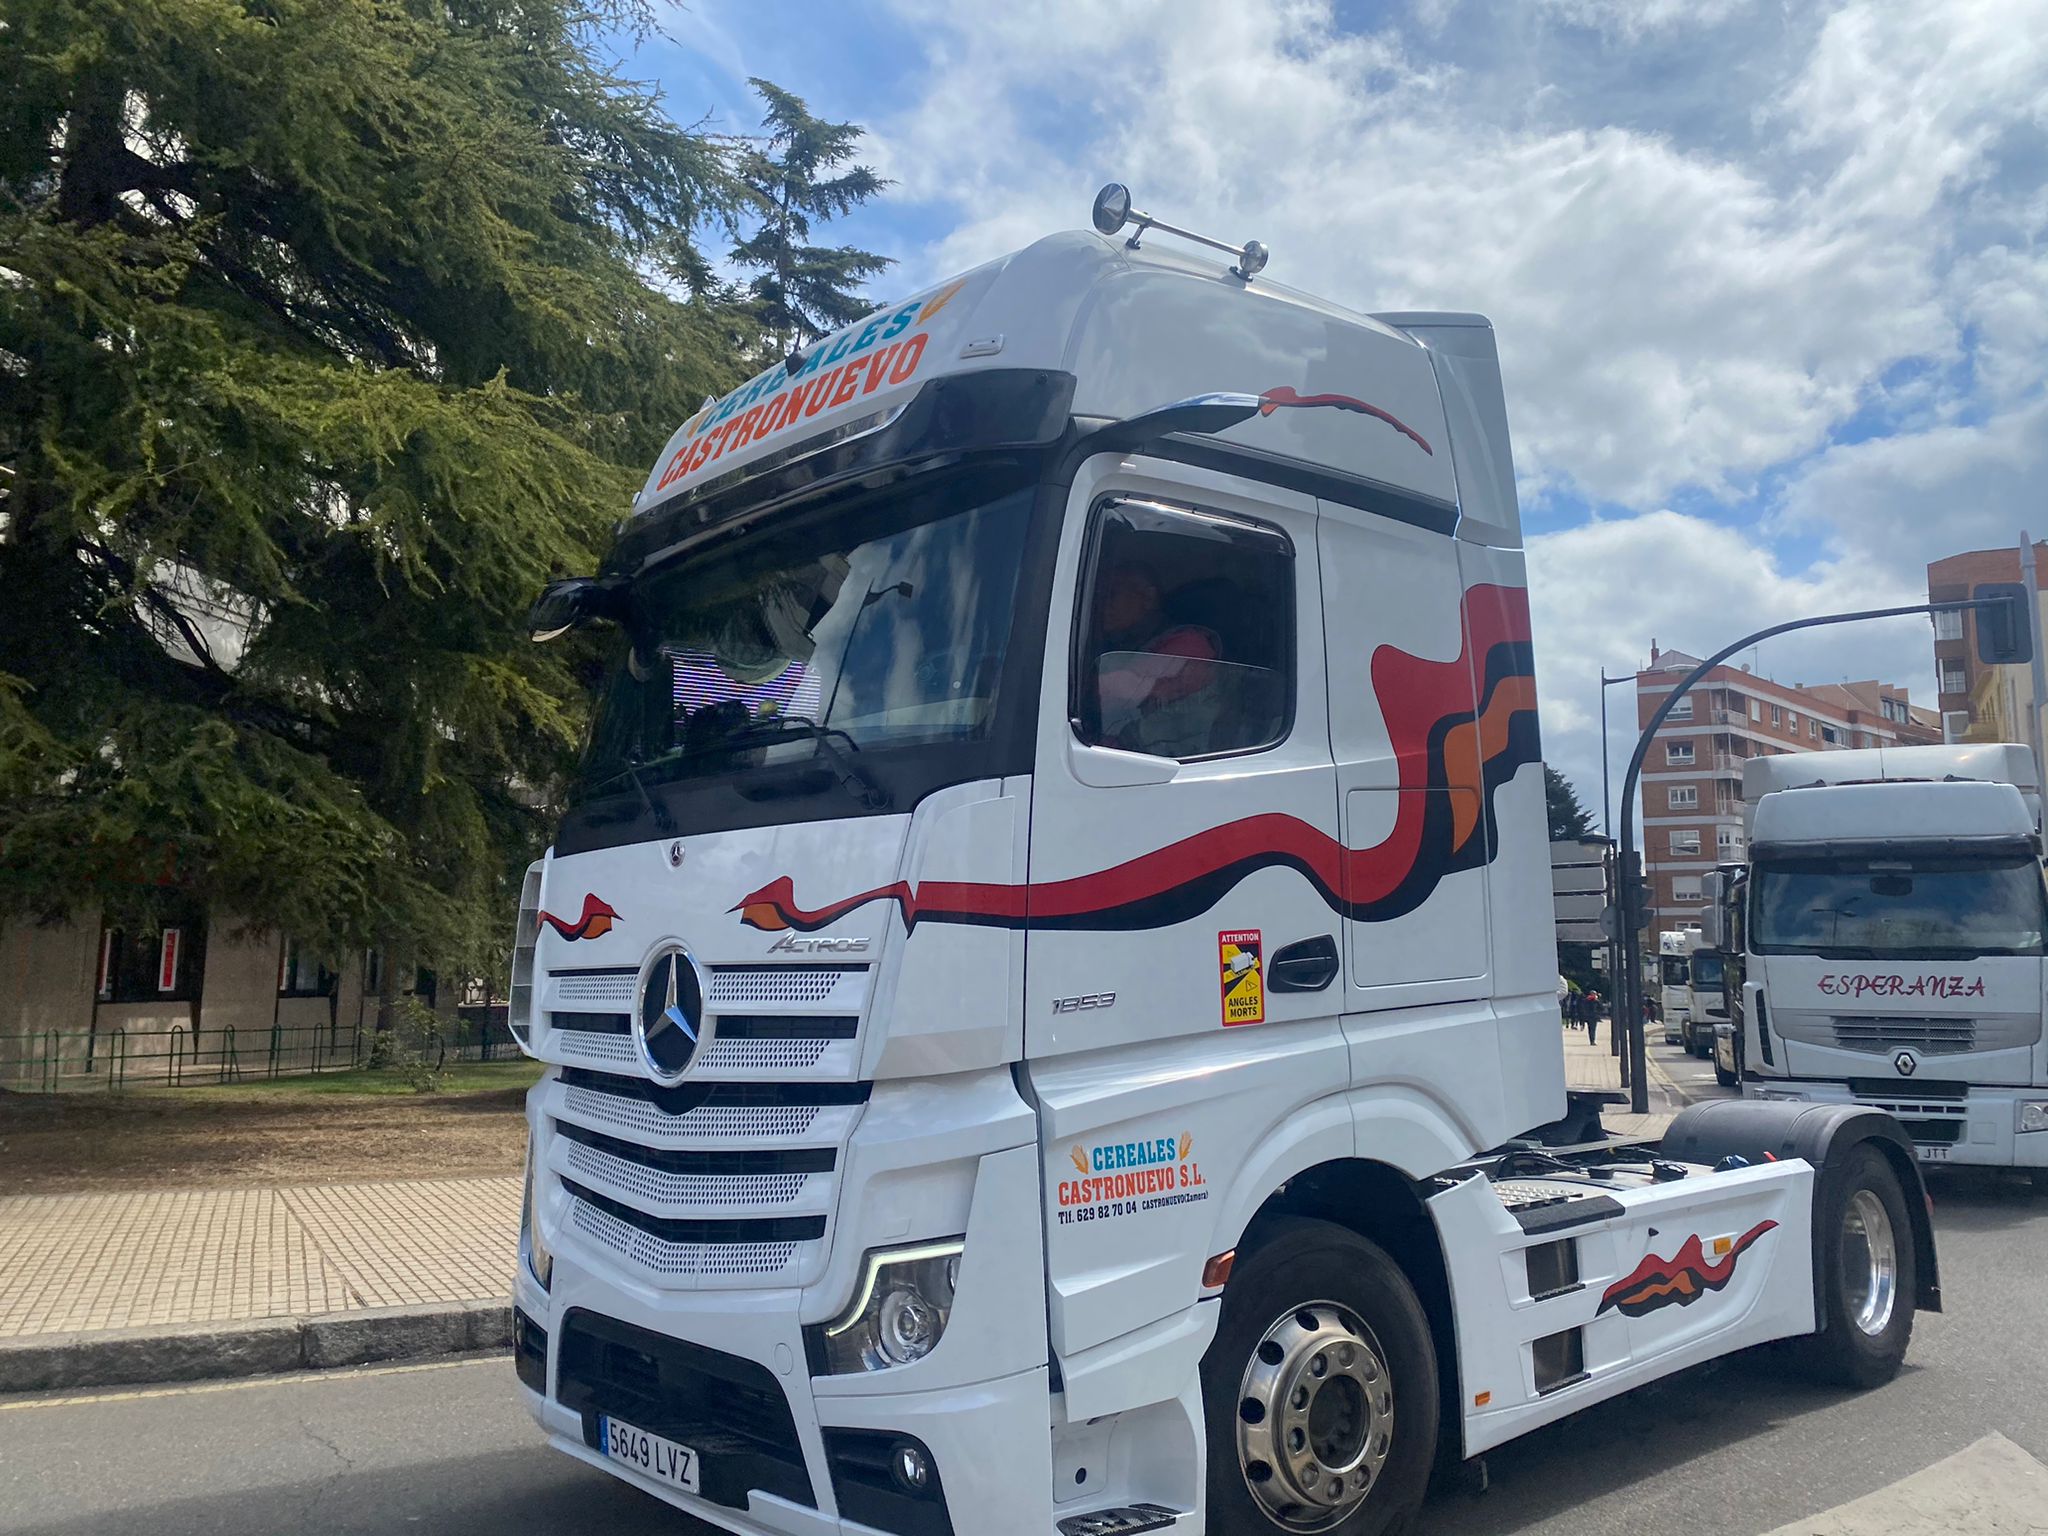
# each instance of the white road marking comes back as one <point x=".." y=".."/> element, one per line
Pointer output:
<point x="244" y="1384"/>
<point x="1991" y="1489"/>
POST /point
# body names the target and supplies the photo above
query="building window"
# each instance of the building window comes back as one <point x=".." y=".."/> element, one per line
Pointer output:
<point x="1678" y="752"/>
<point x="1755" y="712"/>
<point x="1683" y="797"/>
<point x="1728" y="841"/>
<point x="1830" y="735"/>
<point x="300" y="973"/>
<point x="1682" y="710"/>
<point x="1777" y="714"/>
<point x="1813" y="730"/>
<point x="1949" y="625"/>
<point x="160" y="967"/>
<point x="1685" y="890"/>
<point x="1952" y="678"/>
<point x="1792" y="721"/>
<point x="1187" y="634"/>
<point x="1686" y="841"/>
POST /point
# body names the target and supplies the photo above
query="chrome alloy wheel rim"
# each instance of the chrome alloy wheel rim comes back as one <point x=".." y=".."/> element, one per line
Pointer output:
<point x="1870" y="1264"/>
<point x="1315" y="1416"/>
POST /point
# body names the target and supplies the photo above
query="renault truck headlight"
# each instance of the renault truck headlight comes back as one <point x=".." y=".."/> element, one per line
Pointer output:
<point x="899" y="1312"/>
<point x="2034" y="1114"/>
<point x="538" y="1258"/>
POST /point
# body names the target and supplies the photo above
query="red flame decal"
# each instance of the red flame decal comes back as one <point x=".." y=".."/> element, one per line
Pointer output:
<point x="596" y="921"/>
<point x="1678" y="1281"/>
<point x="1281" y="395"/>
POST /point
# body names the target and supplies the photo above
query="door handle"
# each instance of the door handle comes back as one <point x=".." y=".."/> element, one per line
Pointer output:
<point x="1308" y="965"/>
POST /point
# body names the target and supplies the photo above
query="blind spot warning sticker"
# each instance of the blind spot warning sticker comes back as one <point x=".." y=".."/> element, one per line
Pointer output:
<point x="1244" y="978"/>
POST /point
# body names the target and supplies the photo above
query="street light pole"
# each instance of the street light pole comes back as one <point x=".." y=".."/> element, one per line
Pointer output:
<point x="1607" y="831"/>
<point x="1630" y="996"/>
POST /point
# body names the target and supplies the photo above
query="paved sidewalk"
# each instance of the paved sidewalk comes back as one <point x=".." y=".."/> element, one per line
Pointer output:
<point x="81" y="1263"/>
<point x="1595" y="1067"/>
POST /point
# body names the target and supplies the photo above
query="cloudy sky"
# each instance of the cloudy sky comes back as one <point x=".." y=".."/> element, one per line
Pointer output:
<point x="1770" y="279"/>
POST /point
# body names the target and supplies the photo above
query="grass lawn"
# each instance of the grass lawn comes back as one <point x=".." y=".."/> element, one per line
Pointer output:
<point x="330" y="1127"/>
<point x="458" y="1077"/>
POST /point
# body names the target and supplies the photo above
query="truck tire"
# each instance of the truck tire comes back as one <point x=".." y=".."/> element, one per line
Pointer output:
<point x="1319" y="1390"/>
<point x="1863" y="1241"/>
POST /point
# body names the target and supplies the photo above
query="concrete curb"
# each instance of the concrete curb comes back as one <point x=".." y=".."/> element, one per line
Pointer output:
<point x="256" y="1347"/>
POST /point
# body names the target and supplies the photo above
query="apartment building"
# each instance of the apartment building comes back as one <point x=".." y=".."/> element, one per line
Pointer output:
<point x="1692" y="779"/>
<point x="1980" y="702"/>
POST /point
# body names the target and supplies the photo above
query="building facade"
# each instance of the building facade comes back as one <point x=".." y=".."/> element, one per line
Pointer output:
<point x="1692" y="778"/>
<point x="82" y="1002"/>
<point x="1980" y="702"/>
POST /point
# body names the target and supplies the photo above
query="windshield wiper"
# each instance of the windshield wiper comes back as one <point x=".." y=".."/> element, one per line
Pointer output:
<point x="858" y="783"/>
<point x="663" y="822"/>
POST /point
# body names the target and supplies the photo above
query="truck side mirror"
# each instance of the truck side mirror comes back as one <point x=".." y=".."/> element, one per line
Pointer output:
<point x="1713" y="887"/>
<point x="572" y="602"/>
<point x="2005" y="633"/>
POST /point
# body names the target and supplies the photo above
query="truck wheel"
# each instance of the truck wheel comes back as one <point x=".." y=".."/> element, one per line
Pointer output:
<point x="1320" y="1390"/>
<point x="1867" y="1282"/>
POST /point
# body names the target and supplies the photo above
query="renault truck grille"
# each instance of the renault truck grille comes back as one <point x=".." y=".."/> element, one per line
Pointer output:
<point x="1879" y="1036"/>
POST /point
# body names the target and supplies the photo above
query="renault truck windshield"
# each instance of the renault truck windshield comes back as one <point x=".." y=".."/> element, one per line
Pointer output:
<point x="826" y="642"/>
<point x="1900" y="909"/>
<point x="1706" y="968"/>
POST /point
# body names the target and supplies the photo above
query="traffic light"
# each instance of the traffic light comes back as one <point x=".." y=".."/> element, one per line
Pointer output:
<point x="2005" y="633"/>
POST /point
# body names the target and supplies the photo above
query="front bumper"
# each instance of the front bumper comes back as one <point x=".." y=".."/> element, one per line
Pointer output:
<point x="725" y="1372"/>
<point x="1978" y="1130"/>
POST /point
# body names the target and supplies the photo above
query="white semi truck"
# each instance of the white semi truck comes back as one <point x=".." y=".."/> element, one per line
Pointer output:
<point x="1889" y="944"/>
<point x="1046" y="978"/>
<point x="1674" y="999"/>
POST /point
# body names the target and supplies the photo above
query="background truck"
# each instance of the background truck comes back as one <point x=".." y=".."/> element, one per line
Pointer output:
<point x="1674" y="983"/>
<point x="1706" y="998"/>
<point x="1046" y="975"/>
<point x="1887" y="944"/>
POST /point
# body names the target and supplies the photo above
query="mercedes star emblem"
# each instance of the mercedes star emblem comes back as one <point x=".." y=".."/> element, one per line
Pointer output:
<point x="669" y="1025"/>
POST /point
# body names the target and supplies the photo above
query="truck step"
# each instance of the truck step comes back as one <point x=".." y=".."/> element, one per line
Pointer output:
<point x="1124" y="1520"/>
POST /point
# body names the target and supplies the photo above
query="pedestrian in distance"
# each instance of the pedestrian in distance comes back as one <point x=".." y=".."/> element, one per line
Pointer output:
<point x="1592" y="1018"/>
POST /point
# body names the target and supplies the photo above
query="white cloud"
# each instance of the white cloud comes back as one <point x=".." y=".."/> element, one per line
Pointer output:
<point x="1671" y="315"/>
<point x="1601" y="592"/>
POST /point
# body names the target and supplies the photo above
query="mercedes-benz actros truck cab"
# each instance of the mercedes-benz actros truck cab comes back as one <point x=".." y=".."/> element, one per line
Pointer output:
<point x="1046" y="975"/>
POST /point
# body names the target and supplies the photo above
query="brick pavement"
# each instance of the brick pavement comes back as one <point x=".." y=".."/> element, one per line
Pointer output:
<point x="73" y="1263"/>
<point x="1595" y="1067"/>
<point x="77" y="1263"/>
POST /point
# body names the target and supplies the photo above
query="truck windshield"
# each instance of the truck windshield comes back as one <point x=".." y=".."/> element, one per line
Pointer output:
<point x="1674" y="970"/>
<point x="828" y="642"/>
<point x="1706" y="969"/>
<point x="1925" y="909"/>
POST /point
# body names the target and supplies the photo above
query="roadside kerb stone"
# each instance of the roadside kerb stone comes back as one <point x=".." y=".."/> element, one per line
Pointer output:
<point x="201" y="1351"/>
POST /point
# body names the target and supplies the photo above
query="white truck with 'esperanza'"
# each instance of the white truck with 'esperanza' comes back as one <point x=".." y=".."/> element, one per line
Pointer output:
<point x="1046" y="977"/>
<point x="1892" y="930"/>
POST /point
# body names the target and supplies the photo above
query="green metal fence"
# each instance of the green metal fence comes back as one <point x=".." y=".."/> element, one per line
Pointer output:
<point x="59" y="1061"/>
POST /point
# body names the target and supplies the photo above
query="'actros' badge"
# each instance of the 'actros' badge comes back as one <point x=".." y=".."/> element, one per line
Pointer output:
<point x="669" y="1026"/>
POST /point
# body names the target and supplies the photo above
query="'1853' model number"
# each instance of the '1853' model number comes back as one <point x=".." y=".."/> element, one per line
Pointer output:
<point x="1084" y="1002"/>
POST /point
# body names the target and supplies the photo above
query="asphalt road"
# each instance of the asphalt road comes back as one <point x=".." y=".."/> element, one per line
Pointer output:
<point x="1736" y="1448"/>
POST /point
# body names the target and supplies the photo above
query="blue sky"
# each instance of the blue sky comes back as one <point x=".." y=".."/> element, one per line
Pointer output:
<point x="1770" y="279"/>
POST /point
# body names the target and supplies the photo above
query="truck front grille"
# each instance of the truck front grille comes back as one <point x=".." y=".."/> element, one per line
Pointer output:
<point x="704" y="1184"/>
<point x="1880" y="1036"/>
<point x="729" y="1178"/>
<point x="730" y="1411"/>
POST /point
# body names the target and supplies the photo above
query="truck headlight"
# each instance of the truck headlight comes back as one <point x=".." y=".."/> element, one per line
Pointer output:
<point x="899" y="1313"/>
<point x="2034" y="1114"/>
<point x="538" y="1259"/>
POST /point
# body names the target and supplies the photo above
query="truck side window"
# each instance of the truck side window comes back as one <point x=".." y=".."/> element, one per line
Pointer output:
<point x="1185" y="635"/>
